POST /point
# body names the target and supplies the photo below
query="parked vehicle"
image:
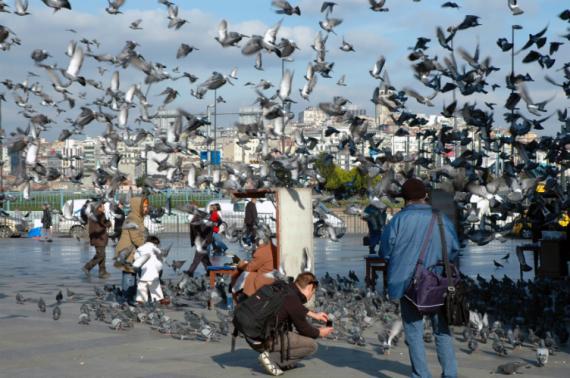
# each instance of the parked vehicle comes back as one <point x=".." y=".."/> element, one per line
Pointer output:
<point x="233" y="214"/>
<point x="77" y="228"/>
<point x="323" y="217"/>
<point x="12" y="227"/>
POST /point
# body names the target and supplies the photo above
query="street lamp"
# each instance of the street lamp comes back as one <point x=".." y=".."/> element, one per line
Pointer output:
<point x="1" y="147"/>
<point x="512" y="82"/>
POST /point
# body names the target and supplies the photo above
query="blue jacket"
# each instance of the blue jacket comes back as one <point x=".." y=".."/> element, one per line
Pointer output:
<point x="402" y="239"/>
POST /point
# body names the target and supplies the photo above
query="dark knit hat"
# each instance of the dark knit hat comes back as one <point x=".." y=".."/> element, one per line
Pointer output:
<point x="413" y="189"/>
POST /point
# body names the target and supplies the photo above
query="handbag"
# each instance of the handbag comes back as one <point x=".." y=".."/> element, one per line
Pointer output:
<point x="456" y="306"/>
<point x="428" y="289"/>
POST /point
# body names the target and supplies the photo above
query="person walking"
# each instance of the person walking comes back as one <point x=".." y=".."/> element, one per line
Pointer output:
<point x="46" y="223"/>
<point x="375" y="216"/>
<point x="250" y="220"/>
<point x="201" y="237"/>
<point x="216" y="219"/>
<point x="131" y="238"/>
<point x="401" y="242"/>
<point x="98" y="238"/>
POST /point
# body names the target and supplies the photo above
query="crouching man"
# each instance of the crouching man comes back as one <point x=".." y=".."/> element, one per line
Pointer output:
<point x="283" y="348"/>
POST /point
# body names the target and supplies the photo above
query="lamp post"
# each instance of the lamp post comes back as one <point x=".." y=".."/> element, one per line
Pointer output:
<point x="512" y="82"/>
<point x="1" y="148"/>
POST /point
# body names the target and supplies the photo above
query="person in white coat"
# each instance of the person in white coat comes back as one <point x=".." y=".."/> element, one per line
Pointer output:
<point x="148" y="259"/>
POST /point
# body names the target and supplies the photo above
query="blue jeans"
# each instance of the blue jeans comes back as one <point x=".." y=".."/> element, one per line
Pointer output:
<point x="218" y="242"/>
<point x="129" y="287"/>
<point x="414" y="330"/>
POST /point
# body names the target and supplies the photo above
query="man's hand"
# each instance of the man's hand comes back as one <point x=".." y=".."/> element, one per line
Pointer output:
<point x="321" y="316"/>
<point x="325" y="331"/>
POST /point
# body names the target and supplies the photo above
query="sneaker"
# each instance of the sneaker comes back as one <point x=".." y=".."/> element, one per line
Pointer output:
<point x="164" y="301"/>
<point x="86" y="271"/>
<point x="104" y="275"/>
<point x="526" y="268"/>
<point x="269" y="367"/>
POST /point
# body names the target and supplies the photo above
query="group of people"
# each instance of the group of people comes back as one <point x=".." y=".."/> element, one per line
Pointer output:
<point x="399" y="241"/>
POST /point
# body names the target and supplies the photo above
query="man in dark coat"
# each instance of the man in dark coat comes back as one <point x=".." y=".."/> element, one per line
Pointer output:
<point x="98" y="238"/>
<point x="250" y="221"/>
<point x="46" y="223"/>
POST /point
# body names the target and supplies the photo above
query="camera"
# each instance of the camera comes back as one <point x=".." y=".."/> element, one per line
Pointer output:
<point x="329" y="323"/>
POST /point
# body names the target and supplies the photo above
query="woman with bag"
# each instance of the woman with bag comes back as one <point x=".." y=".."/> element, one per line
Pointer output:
<point x="411" y="233"/>
<point x="132" y="237"/>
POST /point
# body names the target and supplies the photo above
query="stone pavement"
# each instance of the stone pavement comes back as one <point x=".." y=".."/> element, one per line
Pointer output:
<point x="34" y="345"/>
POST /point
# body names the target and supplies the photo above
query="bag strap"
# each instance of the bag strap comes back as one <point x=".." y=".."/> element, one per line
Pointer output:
<point x="450" y="286"/>
<point x="426" y="240"/>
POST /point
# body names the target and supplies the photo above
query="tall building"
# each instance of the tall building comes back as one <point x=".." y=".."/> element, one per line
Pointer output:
<point x="312" y="115"/>
<point x="249" y="114"/>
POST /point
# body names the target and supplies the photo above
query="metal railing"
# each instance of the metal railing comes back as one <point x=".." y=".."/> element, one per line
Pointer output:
<point x="56" y="199"/>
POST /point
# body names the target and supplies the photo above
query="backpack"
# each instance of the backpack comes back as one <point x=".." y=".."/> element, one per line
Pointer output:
<point x="256" y="317"/>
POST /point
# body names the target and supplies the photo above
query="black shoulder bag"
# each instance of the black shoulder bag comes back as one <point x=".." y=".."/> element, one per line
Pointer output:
<point x="455" y="308"/>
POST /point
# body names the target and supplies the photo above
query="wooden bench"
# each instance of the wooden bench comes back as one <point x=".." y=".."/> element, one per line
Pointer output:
<point x="376" y="264"/>
<point x="214" y="271"/>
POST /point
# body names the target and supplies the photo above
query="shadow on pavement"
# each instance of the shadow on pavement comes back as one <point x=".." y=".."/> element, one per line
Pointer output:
<point x="337" y="356"/>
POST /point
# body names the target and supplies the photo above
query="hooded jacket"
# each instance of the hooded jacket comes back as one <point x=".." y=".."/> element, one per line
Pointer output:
<point x="132" y="238"/>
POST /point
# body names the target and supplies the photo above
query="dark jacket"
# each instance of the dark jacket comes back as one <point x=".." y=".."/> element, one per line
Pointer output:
<point x="98" y="236"/>
<point x="119" y="219"/>
<point x="199" y="228"/>
<point x="46" y="218"/>
<point x="250" y="216"/>
<point x="375" y="218"/>
<point x="294" y="312"/>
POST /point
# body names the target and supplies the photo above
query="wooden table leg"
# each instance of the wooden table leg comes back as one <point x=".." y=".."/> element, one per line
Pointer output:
<point x="212" y="279"/>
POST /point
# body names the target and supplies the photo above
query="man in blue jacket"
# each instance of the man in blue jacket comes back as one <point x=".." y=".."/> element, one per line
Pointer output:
<point x="400" y="246"/>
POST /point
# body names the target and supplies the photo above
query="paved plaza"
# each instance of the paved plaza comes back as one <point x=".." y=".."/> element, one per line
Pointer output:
<point x="32" y="344"/>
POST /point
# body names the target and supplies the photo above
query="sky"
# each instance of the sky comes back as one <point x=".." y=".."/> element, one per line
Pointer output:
<point x="373" y="34"/>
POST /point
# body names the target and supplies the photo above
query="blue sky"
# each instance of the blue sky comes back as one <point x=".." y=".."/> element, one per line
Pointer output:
<point x="372" y="34"/>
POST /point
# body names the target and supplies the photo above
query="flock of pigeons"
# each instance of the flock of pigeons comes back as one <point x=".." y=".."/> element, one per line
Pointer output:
<point x="534" y="319"/>
<point x="486" y="194"/>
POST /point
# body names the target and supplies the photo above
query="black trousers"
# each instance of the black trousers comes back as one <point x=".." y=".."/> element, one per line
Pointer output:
<point x="98" y="259"/>
<point x="203" y="258"/>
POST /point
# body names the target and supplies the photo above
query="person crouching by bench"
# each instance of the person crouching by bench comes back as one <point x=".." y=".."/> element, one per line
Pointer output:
<point x="292" y="312"/>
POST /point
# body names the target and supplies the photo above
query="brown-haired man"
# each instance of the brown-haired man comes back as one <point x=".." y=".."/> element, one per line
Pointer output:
<point x="293" y="312"/>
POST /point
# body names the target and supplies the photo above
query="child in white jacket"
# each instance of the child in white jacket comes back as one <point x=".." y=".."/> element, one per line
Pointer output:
<point x="148" y="258"/>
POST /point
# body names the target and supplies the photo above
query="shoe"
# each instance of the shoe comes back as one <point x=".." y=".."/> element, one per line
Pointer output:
<point x="49" y="240"/>
<point x="86" y="271"/>
<point x="292" y="366"/>
<point x="104" y="275"/>
<point x="269" y="367"/>
<point x="526" y="268"/>
<point x="164" y="301"/>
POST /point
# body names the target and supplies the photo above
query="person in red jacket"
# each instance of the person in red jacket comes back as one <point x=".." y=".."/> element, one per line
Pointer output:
<point x="216" y="219"/>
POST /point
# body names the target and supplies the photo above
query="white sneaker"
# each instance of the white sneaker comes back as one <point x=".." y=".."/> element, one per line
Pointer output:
<point x="268" y="365"/>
